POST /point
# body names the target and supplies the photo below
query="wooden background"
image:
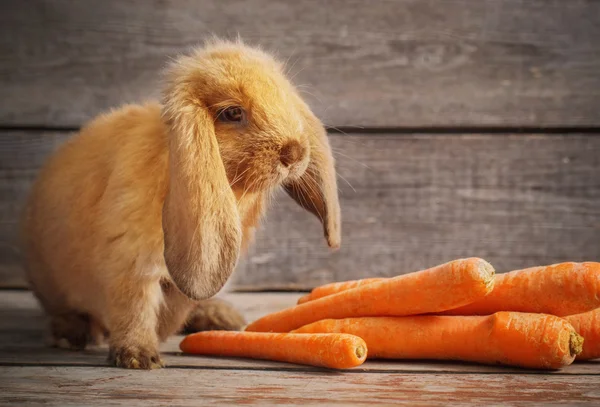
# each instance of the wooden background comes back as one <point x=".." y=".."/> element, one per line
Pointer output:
<point x="461" y="127"/>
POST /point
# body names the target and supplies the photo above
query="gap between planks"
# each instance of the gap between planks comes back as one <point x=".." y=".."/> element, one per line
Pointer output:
<point x="400" y="130"/>
<point x="299" y="369"/>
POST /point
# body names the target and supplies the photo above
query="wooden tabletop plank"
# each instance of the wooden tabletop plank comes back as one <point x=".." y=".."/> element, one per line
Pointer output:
<point x="22" y="344"/>
<point x="33" y="353"/>
<point x="65" y="386"/>
<point x="408" y="202"/>
<point x="385" y="63"/>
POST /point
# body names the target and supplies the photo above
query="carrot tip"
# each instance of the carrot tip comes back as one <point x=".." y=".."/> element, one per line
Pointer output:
<point x="575" y="344"/>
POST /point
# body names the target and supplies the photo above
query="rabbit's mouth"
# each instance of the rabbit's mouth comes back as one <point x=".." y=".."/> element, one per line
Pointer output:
<point x="250" y="176"/>
<point x="264" y="182"/>
<point x="291" y="173"/>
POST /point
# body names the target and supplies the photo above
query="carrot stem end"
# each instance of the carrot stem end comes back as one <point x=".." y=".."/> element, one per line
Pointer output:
<point x="360" y="351"/>
<point x="575" y="344"/>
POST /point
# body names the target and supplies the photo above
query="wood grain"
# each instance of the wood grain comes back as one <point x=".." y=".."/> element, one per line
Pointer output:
<point x="92" y="386"/>
<point x="412" y="202"/>
<point x="385" y="63"/>
<point x="21" y="156"/>
<point x="408" y="202"/>
<point x="22" y="344"/>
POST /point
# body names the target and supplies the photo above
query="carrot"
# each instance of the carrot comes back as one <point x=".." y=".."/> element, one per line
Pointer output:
<point x="336" y="351"/>
<point x="587" y="324"/>
<point x="574" y="287"/>
<point x="560" y="289"/>
<point x="440" y="288"/>
<point x="528" y="340"/>
<point x="333" y="288"/>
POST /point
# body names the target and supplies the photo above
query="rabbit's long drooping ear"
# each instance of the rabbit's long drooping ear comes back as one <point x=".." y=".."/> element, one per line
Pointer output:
<point x="316" y="190"/>
<point x="201" y="223"/>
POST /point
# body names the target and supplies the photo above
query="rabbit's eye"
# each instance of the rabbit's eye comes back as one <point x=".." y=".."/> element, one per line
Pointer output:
<point x="234" y="114"/>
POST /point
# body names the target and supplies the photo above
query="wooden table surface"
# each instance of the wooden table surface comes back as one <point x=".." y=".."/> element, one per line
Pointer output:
<point x="31" y="373"/>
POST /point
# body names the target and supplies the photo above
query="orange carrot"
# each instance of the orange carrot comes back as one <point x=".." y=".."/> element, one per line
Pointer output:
<point x="333" y="288"/>
<point x="560" y="289"/>
<point x="440" y="288"/>
<point x="573" y="287"/>
<point x="336" y="351"/>
<point x="528" y="340"/>
<point x="587" y="324"/>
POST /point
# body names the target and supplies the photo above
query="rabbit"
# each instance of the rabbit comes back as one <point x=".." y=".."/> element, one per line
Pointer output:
<point x="137" y="221"/>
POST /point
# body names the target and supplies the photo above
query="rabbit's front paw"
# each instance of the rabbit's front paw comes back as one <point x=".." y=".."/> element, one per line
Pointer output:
<point x="135" y="357"/>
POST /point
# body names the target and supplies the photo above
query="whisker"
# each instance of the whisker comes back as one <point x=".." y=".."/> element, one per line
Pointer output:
<point x="305" y="197"/>
<point x="311" y="184"/>
<point x="353" y="126"/>
<point x="285" y="64"/>
<point x="297" y="188"/>
<point x="237" y="167"/>
<point x="325" y="111"/>
<point x="312" y="94"/>
<point x="287" y="72"/>
<point x="349" y="138"/>
<point x="312" y="188"/>
<point x="337" y="152"/>
<point x="347" y="182"/>
<point x="239" y="177"/>
<point x="296" y="74"/>
<point x="249" y="186"/>
<point x="337" y="129"/>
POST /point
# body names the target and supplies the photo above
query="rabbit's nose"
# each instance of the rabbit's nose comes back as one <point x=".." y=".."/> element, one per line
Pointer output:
<point x="291" y="153"/>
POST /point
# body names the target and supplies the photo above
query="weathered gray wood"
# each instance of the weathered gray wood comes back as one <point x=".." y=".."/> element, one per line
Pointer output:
<point x="21" y="156"/>
<point x="384" y="63"/>
<point x="36" y="354"/>
<point x="415" y="201"/>
<point x="66" y="386"/>
<point x="22" y="344"/>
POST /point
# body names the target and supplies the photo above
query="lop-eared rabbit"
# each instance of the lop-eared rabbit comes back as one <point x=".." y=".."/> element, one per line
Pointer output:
<point x="138" y="221"/>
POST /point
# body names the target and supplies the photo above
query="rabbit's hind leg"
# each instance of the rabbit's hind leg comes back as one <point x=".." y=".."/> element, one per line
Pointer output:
<point x="214" y="314"/>
<point x="174" y="310"/>
<point x="70" y="330"/>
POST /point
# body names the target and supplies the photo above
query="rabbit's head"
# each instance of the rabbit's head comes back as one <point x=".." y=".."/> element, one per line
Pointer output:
<point x="239" y="124"/>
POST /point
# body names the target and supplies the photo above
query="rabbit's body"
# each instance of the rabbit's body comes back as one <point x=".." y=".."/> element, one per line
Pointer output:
<point x="95" y="232"/>
<point x="134" y="222"/>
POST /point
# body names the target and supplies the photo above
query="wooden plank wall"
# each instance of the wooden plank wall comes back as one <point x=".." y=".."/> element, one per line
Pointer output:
<point x="385" y="63"/>
<point x="471" y="123"/>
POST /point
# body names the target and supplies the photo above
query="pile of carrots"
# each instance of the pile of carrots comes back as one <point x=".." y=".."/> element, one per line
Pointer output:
<point x="541" y="317"/>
